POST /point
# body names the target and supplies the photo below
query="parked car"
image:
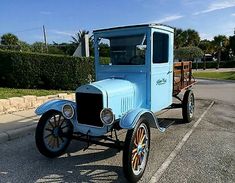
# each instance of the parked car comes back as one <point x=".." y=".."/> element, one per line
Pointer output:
<point x="137" y="80"/>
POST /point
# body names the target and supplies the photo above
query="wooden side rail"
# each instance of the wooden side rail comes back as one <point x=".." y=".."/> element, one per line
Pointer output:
<point x="182" y="76"/>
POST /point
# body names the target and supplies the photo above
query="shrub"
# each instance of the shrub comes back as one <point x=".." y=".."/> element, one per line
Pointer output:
<point x="188" y="53"/>
<point x="33" y="70"/>
<point x="223" y="64"/>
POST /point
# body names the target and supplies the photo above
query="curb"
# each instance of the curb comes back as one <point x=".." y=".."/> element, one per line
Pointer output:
<point x="16" y="104"/>
<point x="16" y="133"/>
<point x="214" y="79"/>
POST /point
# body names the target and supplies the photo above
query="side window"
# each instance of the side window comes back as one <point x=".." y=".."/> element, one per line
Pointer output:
<point x="160" y="47"/>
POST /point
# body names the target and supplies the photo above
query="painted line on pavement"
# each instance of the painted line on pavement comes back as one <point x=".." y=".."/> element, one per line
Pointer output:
<point x="158" y="174"/>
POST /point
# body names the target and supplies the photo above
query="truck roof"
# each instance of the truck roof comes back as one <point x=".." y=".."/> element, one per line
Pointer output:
<point x="153" y="25"/>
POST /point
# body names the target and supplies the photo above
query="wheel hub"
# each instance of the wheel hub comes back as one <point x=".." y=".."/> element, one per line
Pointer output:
<point x="56" y="131"/>
<point x="139" y="149"/>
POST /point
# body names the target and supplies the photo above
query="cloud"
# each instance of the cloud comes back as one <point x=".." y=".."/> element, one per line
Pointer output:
<point x="205" y="36"/>
<point x="45" y="12"/>
<point x="218" y="5"/>
<point x="169" y="18"/>
<point x="65" y="33"/>
<point x="233" y="14"/>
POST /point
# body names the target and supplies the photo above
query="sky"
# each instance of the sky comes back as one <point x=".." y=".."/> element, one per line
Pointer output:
<point x="63" y="18"/>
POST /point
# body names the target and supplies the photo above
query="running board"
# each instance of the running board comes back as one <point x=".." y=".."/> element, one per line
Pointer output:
<point x="164" y="123"/>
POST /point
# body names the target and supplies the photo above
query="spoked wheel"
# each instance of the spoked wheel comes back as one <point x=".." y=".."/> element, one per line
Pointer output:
<point x="136" y="151"/>
<point x="53" y="134"/>
<point x="188" y="106"/>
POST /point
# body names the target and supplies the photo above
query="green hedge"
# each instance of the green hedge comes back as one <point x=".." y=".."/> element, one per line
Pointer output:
<point x="32" y="70"/>
<point x="210" y="64"/>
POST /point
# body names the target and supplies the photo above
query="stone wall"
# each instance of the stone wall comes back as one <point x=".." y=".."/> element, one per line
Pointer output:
<point x="15" y="104"/>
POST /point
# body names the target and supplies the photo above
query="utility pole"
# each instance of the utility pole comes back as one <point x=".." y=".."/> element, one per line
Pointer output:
<point x="45" y="37"/>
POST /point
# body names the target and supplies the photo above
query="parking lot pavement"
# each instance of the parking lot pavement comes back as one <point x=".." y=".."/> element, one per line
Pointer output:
<point x="221" y="91"/>
<point x="199" y="159"/>
<point x="209" y="154"/>
<point x="17" y="124"/>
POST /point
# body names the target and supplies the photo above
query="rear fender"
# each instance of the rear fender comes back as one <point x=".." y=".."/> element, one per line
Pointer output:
<point x="53" y="105"/>
<point x="130" y="119"/>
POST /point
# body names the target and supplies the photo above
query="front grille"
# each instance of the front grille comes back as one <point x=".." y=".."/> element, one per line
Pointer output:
<point x="89" y="106"/>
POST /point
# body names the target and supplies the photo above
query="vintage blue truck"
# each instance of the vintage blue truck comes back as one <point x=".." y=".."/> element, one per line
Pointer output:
<point x="136" y="81"/>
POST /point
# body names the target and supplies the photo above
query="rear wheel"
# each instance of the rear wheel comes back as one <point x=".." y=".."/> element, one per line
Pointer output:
<point x="188" y="106"/>
<point x="50" y="135"/>
<point x="136" y="150"/>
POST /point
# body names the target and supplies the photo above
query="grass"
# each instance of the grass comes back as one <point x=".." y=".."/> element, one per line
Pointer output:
<point x="11" y="92"/>
<point x="215" y="75"/>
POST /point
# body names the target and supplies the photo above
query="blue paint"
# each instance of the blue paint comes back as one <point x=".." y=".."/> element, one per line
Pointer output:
<point x="53" y="105"/>
<point x="131" y="91"/>
<point x="130" y="119"/>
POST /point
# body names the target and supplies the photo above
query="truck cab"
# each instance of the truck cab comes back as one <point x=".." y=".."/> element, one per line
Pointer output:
<point x="142" y="55"/>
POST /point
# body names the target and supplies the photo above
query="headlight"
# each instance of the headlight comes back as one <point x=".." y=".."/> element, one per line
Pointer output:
<point x="106" y="116"/>
<point x="68" y="111"/>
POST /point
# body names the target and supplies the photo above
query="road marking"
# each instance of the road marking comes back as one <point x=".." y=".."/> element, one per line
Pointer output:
<point x="157" y="175"/>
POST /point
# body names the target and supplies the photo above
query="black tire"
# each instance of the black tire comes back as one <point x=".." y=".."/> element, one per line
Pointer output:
<point x="188" y="106"/>
<point x="49" y="137"/>
<point x="132" y="154"/>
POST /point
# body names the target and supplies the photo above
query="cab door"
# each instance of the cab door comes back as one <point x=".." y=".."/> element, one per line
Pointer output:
<point x="161" y="70"/>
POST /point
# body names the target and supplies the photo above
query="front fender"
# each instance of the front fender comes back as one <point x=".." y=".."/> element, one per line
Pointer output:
<point x="130" y="119"/>
<point x="53" y="105"/>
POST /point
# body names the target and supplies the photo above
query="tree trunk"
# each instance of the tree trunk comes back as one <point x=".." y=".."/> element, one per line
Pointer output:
<point x="218" y="59"/>
<point x="204" y="63"/>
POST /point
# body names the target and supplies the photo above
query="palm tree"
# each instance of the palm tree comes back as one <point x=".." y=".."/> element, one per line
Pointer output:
<point x="232" y="44"/>
<point x="179" y="38"/>
<point x="79" y="37"/>
<point x="185" y="38"/>
<point x="219" y="42"/>
<point x="9" y="39"/>
<point x="206" y="47"/>
<point x="193" y="38"/>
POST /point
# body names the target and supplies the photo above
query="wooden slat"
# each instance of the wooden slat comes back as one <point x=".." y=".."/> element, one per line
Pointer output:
<point x="177" y="64"/>
<point x="187" y="70"/>
<point x="177" y="71"/>
<point x="182" y="76"/>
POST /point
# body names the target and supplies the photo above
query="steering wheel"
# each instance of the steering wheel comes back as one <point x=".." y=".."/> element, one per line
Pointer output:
<point x="137" y="60"/>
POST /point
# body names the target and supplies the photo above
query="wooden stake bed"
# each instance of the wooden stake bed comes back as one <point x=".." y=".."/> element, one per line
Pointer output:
<point x="183" y="78"/>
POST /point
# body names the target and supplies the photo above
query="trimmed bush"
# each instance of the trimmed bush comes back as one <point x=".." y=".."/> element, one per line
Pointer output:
<point x="33" y="70"/>
<point x="209" y="65"/>
<point x="188" y="53"/>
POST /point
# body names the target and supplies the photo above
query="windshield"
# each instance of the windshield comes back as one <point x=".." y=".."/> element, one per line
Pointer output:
<point x="123" y="50"/>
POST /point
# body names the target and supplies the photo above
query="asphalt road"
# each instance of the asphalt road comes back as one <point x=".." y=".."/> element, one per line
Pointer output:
<point x="207" y="156"/>
<point x="221" y="91"/>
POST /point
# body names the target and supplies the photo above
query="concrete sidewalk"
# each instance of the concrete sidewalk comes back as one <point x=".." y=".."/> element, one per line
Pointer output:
<point x="17" y="124"/>
<point x="215" y="70"/>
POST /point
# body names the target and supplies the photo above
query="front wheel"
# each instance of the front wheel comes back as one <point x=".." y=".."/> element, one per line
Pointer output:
<point x="188" y="106"/>
<point x="53" y="134"/>
<point x="136" y="150"/>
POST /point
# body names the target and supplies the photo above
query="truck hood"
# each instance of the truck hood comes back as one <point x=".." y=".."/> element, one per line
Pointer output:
<point x="118" y="94"/>
<point x="115" y="86"/>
